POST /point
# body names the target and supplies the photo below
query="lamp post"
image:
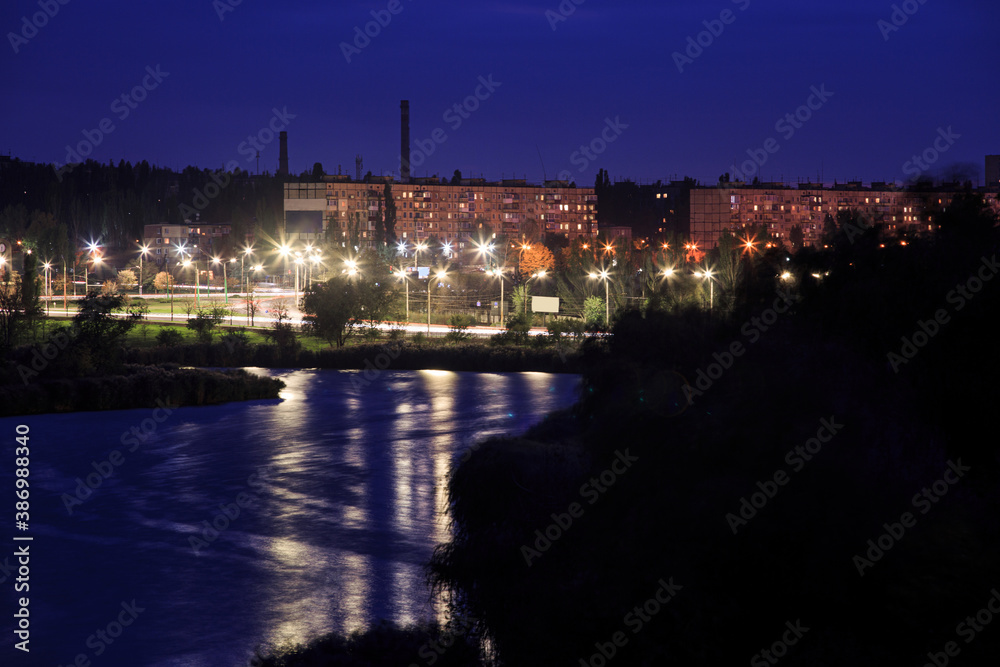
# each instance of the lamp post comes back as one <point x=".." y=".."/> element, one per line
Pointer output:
<point x="540" y="274"/>
<point x="440" y="275"/>
<point x="143" y="249"/>
<point x="97" y="262"/>
<point x="417" y="249"/>
<point x="498" y="272"/>
<point x="603" y="275"/>
<point x="298" y="262"/>
<point x="186" y="264"/>
<point x="406" y="287"/>
<point x="48" y="285"/>
<point x="711" y="286"/>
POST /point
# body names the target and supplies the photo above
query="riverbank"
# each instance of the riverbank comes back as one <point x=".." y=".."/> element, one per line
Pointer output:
<point x="395" y="355"/>
<point x="135" y="387"/>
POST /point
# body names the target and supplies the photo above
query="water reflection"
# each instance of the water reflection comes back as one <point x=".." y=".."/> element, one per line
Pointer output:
<point x="350" y="480"/>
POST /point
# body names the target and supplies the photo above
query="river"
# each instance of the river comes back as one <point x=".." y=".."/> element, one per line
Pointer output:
<point x="187" y="537"/>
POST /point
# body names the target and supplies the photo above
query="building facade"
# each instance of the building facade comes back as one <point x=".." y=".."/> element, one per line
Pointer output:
<point x="426" y="208"/>
<point x="780" y="207"/>
<point x="200" y="239"/>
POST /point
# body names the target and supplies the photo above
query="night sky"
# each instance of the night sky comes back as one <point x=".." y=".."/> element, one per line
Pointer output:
<point x="560" y="81"/>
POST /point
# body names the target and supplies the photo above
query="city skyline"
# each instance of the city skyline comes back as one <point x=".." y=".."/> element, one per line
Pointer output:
<point x="510" y="90"/>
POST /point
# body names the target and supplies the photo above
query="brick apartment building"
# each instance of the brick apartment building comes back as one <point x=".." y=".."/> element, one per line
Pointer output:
<point x="201" y="239"/>
<point x="710" y="210"/>
<point x="450" y="213"/>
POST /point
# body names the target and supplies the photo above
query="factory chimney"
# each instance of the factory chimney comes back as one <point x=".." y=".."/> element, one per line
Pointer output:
<point x="283" y="154"/>
<point x="404" y="155"/>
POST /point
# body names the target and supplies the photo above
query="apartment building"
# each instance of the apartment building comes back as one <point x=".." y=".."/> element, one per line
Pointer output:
<point x="200" y="239"/>
<point x="451" y="213"/>
<point x="780" y="207"/>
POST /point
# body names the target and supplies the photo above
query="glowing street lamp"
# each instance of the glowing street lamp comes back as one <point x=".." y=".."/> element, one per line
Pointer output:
<point x="186" y="263"/>
<point x="417" y="249"/>
<point x="498" y="272"/>
<point x="48" y="285"/>
<point x="143" y="249"/>
<point x="440" y="275"/>
<point x="603" y="275"/>
<point x="540" y="274"/>
<point x="707" y="274"/>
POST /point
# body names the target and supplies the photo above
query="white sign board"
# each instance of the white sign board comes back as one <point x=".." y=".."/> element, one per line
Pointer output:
<point x="544" y="304"/>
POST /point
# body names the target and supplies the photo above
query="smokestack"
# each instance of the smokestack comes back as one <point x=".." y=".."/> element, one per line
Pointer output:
<point x="283" y="154"/>
<point x="404" y="155"/>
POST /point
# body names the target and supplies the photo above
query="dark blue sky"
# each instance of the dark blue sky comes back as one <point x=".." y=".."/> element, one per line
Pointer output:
<point x="891" y="90"/>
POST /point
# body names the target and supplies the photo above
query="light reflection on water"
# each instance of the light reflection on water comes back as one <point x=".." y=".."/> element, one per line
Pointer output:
<point x="349" y="508"/>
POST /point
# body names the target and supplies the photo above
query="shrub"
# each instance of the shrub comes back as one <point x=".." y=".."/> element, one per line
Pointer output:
<point x="169" y="337"/>
<point x="460" y="327"/>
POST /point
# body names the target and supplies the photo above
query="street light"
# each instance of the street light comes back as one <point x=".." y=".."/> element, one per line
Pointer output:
<point x="247" y="251"/>
<point x="417" y="249"/>
<point x="316" y="259"/>
<point x="498" y="272"/>
<point x="406" y="287"/>
<point x="197" y="284"/>
<point x="603" y="275"/>
<point x="540" y="274"/>
<point x="711" y="286"/>
<point x="143" y="249"/>
<point x="440" y="275"/>
<point x="225" y="284"/>
<point x="48" y="285"/>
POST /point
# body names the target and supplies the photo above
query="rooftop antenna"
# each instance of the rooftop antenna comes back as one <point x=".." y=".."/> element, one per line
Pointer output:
<point x="258" y="163"/>
<point x="359" y="165"/>
<point x="545" y="175"/>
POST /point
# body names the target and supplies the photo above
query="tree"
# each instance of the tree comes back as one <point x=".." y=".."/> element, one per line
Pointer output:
<point x="19" y="307"/>
<point x="101" y="324"/>
<point x="317" y="171"/>
<point x="456" y="178"/>
<point x="594" y="311"/>
<point x="537" y="258"/>
<point x="796" y="237"/>
<point x="109" y="287"/>
<point x="163" y="281"/>
<point x="332" y="309"/>
<point x="127" y="279"/>
<point x="206" y="320"/>
<point x="336" y="308"/>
